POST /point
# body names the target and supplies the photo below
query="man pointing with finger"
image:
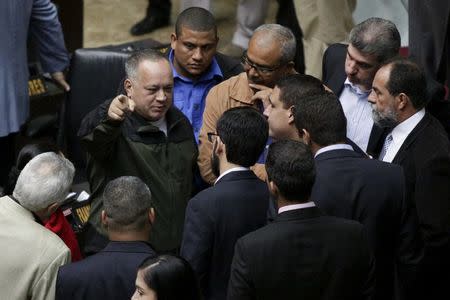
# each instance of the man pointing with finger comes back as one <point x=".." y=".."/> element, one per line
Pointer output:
<point x="141" y="134"/>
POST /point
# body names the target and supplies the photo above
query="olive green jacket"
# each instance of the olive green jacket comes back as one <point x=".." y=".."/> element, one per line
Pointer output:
<point x="135" y="147"/>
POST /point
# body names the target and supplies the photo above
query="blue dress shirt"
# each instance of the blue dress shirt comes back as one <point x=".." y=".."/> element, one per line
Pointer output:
<point x="190" y="96"/>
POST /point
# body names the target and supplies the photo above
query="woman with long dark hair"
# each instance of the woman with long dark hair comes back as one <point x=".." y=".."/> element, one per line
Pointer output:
<point x="166" y="277"/>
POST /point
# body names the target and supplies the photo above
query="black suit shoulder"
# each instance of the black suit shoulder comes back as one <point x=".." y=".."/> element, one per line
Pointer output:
<point x="333" y="67"/>
<point x="229" y="66"/>
<point x="311" y="251"/>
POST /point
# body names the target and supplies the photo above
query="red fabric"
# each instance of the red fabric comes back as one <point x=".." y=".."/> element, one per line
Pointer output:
<point x="58" y="224"/>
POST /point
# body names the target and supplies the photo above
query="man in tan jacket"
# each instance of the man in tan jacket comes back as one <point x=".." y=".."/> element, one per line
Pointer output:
<point x="32" y="254"/>
<point x="270" y="55"/>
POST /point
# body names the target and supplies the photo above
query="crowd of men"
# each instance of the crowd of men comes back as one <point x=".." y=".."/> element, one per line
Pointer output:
<point x="318" y="190"/>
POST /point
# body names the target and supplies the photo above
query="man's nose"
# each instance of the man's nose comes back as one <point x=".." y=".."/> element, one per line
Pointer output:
<point x="198" y="54"/>
<point x="161" y="95"/>
<point x="352" y="68"/>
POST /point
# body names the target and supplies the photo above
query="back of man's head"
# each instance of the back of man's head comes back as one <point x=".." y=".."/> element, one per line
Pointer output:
<point x="195" y="19"/>
<point x="127" y="202"/>
<point x="323" y="118"/>
<point x="376" y="36"/>
<point x="290" y="166"/>
<point x="294" y="88"/>
<point x="134" y="60"/>
<point x="244" y="131"/>
<point x="45" y="180"/>
<point x="408" y="78"/>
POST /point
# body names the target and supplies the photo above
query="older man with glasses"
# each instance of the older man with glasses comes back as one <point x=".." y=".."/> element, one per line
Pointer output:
<point x="270" y="55"/>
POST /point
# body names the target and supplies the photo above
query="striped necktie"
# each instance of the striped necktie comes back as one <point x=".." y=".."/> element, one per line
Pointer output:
<point x="386" y="145"/>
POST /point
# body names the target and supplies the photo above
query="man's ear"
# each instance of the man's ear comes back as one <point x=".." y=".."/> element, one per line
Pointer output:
<point x="291" y="115"/>
<point x="273" y="189"/>
<point x="52" y="208"/>
<point x="128" y="86"/>
<point x="173" y="40"/>
<point x="305" y="137"/>
<point x="290" y="64"/>
<point x="104" y="219"/>
<point x="151" y="215"/>
<point x="402" y="101"/>
<point x="220" y="146"/>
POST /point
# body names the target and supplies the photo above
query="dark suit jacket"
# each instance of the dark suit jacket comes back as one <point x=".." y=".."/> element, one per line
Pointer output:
<point x="425" y="158"/>
<point x="333" y="74"/>
<point x="373" y="193"/>
<point x="303" y="255"/>
<point x="215" y="219"/>
<point x="109" y="274"/>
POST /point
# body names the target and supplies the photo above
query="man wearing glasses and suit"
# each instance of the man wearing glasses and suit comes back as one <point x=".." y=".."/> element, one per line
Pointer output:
<point x="270" y="55"/>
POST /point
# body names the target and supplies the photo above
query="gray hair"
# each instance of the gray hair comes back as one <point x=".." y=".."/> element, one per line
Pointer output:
<point x="134" y="60"/>
<point x="283" y="36"/>
<point x="46" y="179"/>
<point x="376" y="36"/>
<point x="126" y="202"/>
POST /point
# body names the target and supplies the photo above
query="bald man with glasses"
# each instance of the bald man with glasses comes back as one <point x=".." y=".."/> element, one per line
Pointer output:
<point x="270" y="56"/>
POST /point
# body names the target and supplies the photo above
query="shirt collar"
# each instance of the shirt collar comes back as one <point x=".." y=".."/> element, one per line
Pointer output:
<point x="296" y="206"/>
<point x="355" y="89"/>
<point x="402" y="130"/>
<point x="334" y="147"/>
<point x="235" y="169"/>
<point x="212" y="71"/>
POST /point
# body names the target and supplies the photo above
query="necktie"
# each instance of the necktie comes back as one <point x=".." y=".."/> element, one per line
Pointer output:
<point x="387" y="143"/>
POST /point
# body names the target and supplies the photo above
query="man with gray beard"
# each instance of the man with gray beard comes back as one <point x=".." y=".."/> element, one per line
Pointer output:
<point x="419" y="144"/>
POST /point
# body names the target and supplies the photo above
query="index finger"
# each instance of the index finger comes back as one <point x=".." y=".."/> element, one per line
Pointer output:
<point x="258" y="87"/>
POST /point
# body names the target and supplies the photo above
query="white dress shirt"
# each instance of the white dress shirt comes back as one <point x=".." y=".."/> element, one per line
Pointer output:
<point x="236" y="169"/>
<point x="334" y="147"/>
<point x="358" y="112"/>
<point x="296" y="206"/>
<point x="401" y="132"/>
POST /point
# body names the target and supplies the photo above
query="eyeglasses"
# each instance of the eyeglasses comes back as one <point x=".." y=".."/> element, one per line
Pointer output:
<point x="248" y="64"/>
<point x="211" y="136"/>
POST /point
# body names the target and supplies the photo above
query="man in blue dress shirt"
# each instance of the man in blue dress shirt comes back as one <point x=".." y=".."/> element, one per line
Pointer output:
<point x="195" y="64"/>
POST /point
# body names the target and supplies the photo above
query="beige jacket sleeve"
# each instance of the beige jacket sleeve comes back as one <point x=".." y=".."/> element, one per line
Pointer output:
<point x="213" y="110"/>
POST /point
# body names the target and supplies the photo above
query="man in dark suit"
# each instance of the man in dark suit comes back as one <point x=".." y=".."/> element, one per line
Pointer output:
<point x="111" y="273"/>
<point x="368" y="191"/>
<point x="418" y="143"/>
<point x="236" y="205"/>
<point x="303" y="254"/>
<point x="349" y="71"/>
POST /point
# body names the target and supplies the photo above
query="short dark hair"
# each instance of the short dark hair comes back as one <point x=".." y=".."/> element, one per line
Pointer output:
<point x="323" y="117"/>
<point x="376" y="36"/>
<point x="244" y="131"/>
<point x="196" y="19"/>
<point x="27" y="153"/>
<point x="407" y="77"/>
<point x="290" y="165"/>
<point x="127" y="201"/>
<point x="294" y="88"/>
<point x="134" y="60"/>
<point x="171" y="277"/>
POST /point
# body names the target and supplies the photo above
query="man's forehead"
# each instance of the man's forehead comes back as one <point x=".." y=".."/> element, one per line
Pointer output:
<point x="382" y="76"/>
<point x="186" y="33"/>
<point x="360" y="56"/>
